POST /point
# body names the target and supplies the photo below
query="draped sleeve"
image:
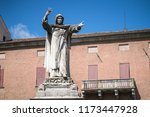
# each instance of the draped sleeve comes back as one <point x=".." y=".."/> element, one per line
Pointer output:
<point x="47" y="27"/>
<point x="74" y="29"/>
<point x="47" y="57"/>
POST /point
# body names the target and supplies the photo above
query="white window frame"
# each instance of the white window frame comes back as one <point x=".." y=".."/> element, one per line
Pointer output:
<point x="92" y="49"/>
<point x="124" y="47"/>
<point x="2" y="56"/>
<point x="40" y="53"/>
<point x="148" y="44"/>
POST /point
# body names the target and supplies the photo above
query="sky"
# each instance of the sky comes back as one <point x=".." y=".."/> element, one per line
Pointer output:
<point x="23" y="17"/>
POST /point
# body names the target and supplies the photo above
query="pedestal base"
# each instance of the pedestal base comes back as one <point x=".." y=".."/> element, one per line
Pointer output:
<point x="57" y="88"/>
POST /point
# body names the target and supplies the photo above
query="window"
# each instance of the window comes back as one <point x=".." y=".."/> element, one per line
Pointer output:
<point x="40" y="53"/>
<point x="92" y="49"/>
<point x="2" y="56"/>
<point x="124" y="70"/>
<point x="148" y="44"/>
<point x="1" y="77"/>
<point x="93" y="75"/>
<point x="123" y="47"/>
<point x="40" y="75"/>
<point x="92" y="72"/>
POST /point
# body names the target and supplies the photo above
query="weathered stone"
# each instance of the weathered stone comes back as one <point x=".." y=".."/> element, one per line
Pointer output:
<point x="57" y="88"/>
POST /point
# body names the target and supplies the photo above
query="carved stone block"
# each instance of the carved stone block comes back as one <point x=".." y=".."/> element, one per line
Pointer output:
<point x="57" y="87"/>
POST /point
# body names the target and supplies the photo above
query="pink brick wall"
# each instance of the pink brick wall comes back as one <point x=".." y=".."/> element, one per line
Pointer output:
<point x="111" y="57"/>
<point x="20" y="73"/>
<point x="20" y="67"/>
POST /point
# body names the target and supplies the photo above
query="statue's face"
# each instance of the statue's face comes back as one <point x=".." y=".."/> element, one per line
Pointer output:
<point x="59" y="20"/>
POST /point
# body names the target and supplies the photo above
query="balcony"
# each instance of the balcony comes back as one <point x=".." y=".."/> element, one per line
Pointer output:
<point x="115" y="87"/>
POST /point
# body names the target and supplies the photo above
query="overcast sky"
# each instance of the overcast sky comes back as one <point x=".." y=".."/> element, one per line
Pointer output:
<point x="23" y="17"/>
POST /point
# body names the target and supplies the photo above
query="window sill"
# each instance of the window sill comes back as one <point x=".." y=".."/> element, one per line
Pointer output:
<point x="1" y="87"/>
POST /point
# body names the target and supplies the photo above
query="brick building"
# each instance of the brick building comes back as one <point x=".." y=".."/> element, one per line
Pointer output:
<point x="111" y="65"/>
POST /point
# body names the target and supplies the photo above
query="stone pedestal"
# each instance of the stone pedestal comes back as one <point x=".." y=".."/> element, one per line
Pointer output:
<point x="57" y="88"/>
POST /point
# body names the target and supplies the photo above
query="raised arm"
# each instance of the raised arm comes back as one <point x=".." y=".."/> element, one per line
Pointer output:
<point x="45" y="24"/>
<point x="45" y="18"/>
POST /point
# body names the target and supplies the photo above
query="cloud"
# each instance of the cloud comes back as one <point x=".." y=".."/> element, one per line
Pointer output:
<point x="21" y="31"/>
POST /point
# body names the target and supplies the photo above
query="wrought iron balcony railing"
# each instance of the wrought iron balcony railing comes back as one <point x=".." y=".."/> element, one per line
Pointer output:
<point x="108" y="84"/>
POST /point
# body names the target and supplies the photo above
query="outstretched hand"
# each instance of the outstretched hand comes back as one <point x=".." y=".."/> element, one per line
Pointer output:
<point x="81" y="24"/>
<point x="48" y="11"/>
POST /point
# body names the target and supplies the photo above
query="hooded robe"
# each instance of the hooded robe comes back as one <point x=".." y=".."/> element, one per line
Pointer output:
<point x="57" y="44"/>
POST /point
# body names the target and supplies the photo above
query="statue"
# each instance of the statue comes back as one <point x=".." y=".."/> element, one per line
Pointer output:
<point x="57" y="45"/>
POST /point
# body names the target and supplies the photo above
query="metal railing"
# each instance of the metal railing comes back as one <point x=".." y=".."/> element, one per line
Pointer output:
<point x="108" y="84"/>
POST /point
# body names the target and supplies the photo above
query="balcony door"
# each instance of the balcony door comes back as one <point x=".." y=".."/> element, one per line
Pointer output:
<point x="124" y="70"/>
<point x="92" y="72"/>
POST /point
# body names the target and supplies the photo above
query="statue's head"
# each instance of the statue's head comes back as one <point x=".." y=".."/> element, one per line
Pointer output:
<point x="59" y="19"/>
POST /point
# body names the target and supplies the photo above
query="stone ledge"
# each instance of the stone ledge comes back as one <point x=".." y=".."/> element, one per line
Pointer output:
<point x="57" y="98"/>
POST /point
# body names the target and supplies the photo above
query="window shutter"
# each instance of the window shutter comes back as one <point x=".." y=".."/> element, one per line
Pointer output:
<point x="92" y="72"/>
<point x="1" y="77"/>
<point x="124" y="70"/>
<point x="40" y="75"/>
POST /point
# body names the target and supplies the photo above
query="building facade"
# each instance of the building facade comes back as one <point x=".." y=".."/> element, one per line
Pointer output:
<point x="112" y="65"/>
